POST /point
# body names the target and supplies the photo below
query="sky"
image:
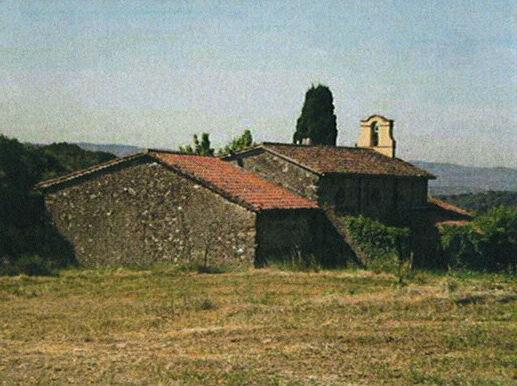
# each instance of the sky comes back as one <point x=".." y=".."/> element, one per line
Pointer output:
<point x="152" y="73"/>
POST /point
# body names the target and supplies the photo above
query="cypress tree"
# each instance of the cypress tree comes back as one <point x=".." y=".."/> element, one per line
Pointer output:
<point x="317" y="120"/>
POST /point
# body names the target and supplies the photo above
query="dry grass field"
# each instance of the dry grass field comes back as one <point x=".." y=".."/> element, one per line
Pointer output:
<point x="266" y="327"/>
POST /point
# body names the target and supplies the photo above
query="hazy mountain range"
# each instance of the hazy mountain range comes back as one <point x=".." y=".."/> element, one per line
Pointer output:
<point x="456" y="179"/>
<point x="452" y="178"/>
<point x="118" y="150"/>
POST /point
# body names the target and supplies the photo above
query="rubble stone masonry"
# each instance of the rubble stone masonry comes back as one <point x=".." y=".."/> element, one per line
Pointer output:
<point x="144" y="213"/>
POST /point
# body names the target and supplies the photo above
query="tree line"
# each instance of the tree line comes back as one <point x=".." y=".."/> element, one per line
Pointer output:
<point x="481" y="203"/>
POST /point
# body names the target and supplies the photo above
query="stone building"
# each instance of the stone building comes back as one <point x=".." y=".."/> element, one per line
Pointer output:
<point x="165" y="207"/>
<point x="366" y="179"/>
<point x="244" y="209"/>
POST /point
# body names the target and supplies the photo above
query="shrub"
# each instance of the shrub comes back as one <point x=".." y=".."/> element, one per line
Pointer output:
<point x="461" y="246"/>
<point x="386" y="248"/>
<point x="498" y="231"/>
<point x="488" y="243"/>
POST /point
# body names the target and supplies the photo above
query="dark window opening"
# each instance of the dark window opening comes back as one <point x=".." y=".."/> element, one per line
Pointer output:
<point x="374" y="140"/>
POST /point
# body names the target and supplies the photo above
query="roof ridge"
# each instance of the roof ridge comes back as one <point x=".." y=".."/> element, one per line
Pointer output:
<point x="311" y="145"/>
<point x="178" y="152"/>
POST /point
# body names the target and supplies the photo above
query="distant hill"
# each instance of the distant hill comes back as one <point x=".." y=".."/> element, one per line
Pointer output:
<point x="457" y="179"/>
<point x="118" y="150"/>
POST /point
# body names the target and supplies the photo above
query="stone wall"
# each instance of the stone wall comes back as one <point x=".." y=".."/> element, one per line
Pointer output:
<point x="300" y="234"/>
<point x="283" y="231"/>
<point x="412" y="193"/>
<point x="373" y="196"/>
<point x="281" y="172"/>
<point x="143" y="213"/>
<point x="341" y="193"/>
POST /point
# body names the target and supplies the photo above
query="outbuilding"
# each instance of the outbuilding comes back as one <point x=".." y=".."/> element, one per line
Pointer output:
<point x="158" y="206"/>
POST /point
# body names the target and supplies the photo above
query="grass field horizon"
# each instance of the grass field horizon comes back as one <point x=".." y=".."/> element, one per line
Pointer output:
<point x="264" y="326"/>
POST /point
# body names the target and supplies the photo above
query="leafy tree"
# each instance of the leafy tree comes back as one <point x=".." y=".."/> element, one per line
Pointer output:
<point x="200" y="147"/>
<point x="27" y="241"/>
<point x="66" y="157"/>
<point x="462" y="247"/>
<point x="317" y="121"/>
<point x="238" y="144"/>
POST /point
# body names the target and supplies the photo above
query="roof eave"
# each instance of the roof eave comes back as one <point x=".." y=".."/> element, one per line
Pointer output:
<point x="431" y="177"/>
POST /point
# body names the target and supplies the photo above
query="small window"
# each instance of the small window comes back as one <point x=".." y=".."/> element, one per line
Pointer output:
<point x="374" y="141"/>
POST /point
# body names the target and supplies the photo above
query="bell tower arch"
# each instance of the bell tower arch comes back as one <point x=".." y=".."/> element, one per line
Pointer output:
<point x="377" y="134"/>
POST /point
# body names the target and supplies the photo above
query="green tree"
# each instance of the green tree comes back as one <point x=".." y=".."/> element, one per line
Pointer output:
<point x="238" y="144"/>
<point x="317" y="121"/>
<point x="200" y="147"/>
<point x="28" y="242"/>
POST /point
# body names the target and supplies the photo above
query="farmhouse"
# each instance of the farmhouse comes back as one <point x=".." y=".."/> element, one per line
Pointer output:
<point x="366" y="179"/>
<point x="240" y="210"/>
<point x="159" y="206"/>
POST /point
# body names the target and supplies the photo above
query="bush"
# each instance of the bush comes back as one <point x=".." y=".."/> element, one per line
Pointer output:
<point x="498" y="231"/>
<point x="486" y="244"/>
<point x="386" y="248"/>
<point x="461" y="246"/>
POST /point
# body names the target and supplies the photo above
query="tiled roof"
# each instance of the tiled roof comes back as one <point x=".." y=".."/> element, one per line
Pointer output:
<point x="344" y="160"/>
<point x="452" y="223"/>
<point x="236" y="183"/>
<point x="439" y="213"/>
<point x="449" y="207"/>
<point x="230" y="181"/>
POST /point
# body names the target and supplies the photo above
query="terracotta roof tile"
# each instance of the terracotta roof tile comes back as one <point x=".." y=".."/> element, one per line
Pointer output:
<point x="237" y="183"/>
<point x="449" y="207"/>
<point x="439" y="213"/>
<point x="452" y="223"/>
<point x="346" y="160"/>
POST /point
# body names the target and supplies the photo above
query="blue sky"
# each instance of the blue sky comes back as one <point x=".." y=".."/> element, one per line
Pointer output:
<point x="152" y="73"/>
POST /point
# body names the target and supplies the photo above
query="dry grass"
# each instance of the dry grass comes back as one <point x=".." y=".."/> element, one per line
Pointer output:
<point x="260" y="327"/>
